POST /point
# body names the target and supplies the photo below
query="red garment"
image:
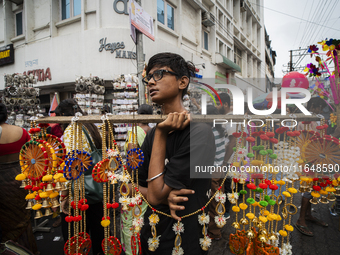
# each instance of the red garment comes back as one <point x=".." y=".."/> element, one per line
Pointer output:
<point x="56" y="130"/>
<point x="11" y="148"/>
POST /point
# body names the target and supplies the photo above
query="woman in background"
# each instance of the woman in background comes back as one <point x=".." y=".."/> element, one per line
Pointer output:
<point x="15" y="222"/>
<point x="94" y="213"/>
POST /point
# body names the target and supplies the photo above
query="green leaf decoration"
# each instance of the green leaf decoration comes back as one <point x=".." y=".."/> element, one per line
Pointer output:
<point x="243" y="192"/>
<point x="267" y="198"/>
<point x="258" y="190"/>
<point x="270" y="151"/>
<point x="250" y="200"/>
<point x="255" y="148"/>
<point x="271" y="202"/>
<point x="263" y="152"/>
<point x="234" y="149"/>
<point x="273" y="156"/>
<point x="250" y="155"/>
<point x="263" y="203"/>
<point x="261" y="147"/>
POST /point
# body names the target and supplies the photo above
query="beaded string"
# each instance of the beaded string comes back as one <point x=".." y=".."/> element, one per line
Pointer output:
<point x="104" y="155"/>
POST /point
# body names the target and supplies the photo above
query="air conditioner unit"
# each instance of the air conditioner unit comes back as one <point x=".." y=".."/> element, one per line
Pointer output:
<point x="208" y="19"/>
<point x="243" y="6"/>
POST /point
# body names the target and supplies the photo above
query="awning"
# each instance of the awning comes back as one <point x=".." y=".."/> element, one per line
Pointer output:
<point x="227" y="63"/>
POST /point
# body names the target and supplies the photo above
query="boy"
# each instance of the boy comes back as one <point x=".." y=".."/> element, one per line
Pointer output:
<point x="171" y="151"/>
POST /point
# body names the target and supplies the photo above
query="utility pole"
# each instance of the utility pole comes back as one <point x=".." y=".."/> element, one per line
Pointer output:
<point x="140" y="63"/>
<point x="294" y="66"/>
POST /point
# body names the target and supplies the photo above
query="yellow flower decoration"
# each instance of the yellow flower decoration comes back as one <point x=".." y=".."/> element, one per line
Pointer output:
<point x="289" y="227"/>
<point x="286" y="194"/>
<point x="323" y="192"/>
<point x="54" y="194"/>
<point x="154" y="219"/>
<point x="30" y="196"/>
<point x="263" y="219"/>
<point x="62" y="179"/>
<point x="315" y="194"/>
<point x="266" y="212"/>
<point x="236" y="164"/>
<point x="292" y="190"/>
<point x="43" y="195"/>
<point x="304" y="179"/>
<point x="335" y="183"/>
<point x="235" y="208"/>
<point x="105" y="223"/>
<point x="20" y="177"/>
<point x="280" y="182"/>
<point x="272" y="216"/>
<point x="278" y="217"/>
<point x="36" y="206"/>
<point x="243" y="206"/>
<point x="47" y="178"/>
<point x="57" y="176"/>
<point x="250" y="216"/>
<point x="283" y="233"/>
<point x="255" y="204"/>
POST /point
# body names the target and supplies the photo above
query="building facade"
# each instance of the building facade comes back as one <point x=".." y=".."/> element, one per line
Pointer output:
<point x="270" y="63"/>
<point x="60" y="40"/>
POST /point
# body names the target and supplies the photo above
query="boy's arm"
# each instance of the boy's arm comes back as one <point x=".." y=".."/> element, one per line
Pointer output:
<point x="158" y="191"/>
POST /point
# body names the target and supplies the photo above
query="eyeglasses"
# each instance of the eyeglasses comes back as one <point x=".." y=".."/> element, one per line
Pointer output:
<point x="157" y="75"/>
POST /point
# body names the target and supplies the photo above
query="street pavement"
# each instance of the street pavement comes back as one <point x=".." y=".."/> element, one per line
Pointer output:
<point x="326" y="240"/>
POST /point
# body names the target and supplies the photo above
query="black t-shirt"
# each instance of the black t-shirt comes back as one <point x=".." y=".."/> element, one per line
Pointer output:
<point x="196" y="139"/>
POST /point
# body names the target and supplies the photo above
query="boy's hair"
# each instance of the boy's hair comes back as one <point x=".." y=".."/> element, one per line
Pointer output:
<point x="225" y="98"/>
<point x="175" y="62"/>
<point x="315" y="102"/>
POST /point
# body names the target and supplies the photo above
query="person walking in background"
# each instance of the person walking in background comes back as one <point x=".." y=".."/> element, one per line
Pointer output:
<point x="94" y="214"/>
<point x="218" y="131"/>
<point x="15" y="219"/>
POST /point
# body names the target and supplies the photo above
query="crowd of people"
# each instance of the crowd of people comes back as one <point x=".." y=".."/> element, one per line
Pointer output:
<point x="171" y="150"/>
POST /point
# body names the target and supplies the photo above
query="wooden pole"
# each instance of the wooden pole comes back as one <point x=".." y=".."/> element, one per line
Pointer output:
<point x="160" y="118"/>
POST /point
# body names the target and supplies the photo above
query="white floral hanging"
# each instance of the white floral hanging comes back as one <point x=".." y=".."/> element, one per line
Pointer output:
<point x="220" y="220"/>
<point x="203" y="219"/>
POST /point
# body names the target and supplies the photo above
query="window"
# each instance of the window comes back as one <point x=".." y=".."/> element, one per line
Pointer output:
<point x="18" y="23"/>
<point x="205" y="40"/>
<point x="70" y="8"/>
<point x="164" y="9"/>
<point x="238" y="57"/>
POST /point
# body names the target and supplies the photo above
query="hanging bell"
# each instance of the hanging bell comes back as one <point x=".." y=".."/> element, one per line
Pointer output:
<point x="29" y="205"/>
<point x="244" y="221"/>
<point x="48" y="212"/>
<point x="250" y="234"/>
<point x="38" y="215"/>
<point x="55" y="203"/>
<point x="45" y="204"/>
<point x="49" y="187"/>
<point x="23" y="184"/>
<point x="63" y="187"/>
<point x="58" y="186"/>
<point x="331" y="197"/>
<point x="314" y="201"/>
<point x="337" y="192"/>
<point x="263" y="238"/>
<point x="323" y="200"/>
<point x="272" y="237"/>
<point x="236" y="225"/>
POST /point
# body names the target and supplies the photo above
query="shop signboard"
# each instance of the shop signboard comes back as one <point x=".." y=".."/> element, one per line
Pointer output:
<point x="141" y="20"/>
<point x="6" y="55"/>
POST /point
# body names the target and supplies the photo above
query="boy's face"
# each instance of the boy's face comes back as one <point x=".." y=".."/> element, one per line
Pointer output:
<point x="168" y="87"/>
